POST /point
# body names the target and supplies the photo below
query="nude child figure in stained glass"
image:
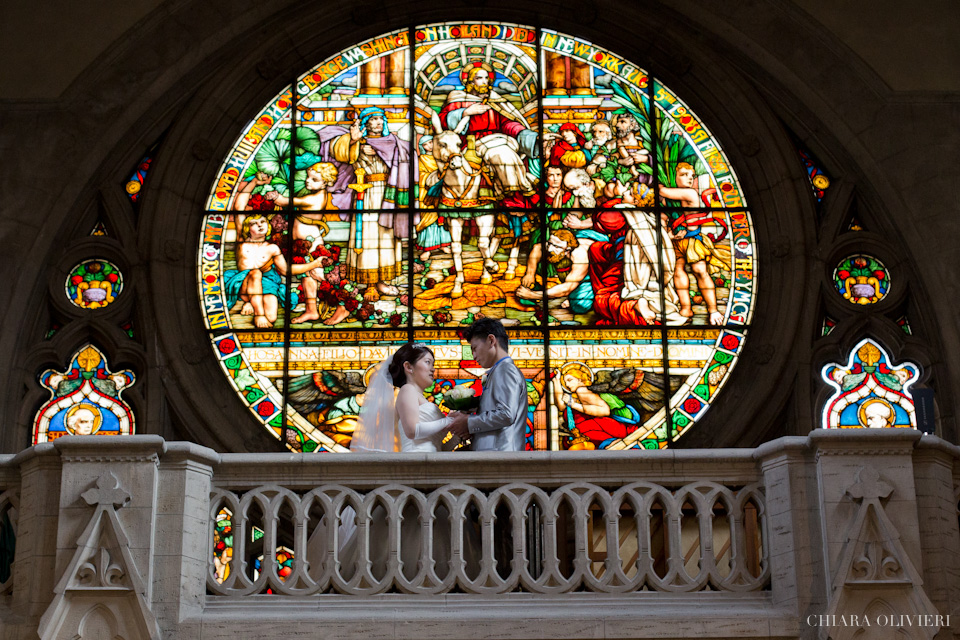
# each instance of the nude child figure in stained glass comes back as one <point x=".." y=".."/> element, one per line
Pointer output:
<point x="692" y="246"/>
<point x="257" y="280"/>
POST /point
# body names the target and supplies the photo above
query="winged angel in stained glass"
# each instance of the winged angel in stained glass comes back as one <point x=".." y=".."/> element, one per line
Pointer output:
<point x="331" y="399"/>
<point x="608" y="405"/>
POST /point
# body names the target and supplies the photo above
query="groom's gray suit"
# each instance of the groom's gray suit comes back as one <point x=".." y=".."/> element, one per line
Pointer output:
<point x="501" y="422"/>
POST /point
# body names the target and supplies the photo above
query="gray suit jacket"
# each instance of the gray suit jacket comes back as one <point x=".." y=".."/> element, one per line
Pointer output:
<point x="501" y="422"/>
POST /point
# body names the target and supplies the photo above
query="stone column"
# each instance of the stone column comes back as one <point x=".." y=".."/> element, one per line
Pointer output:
<point x="793" y="540"/>
<point x="369" y="78"/>
<point x="873" y="564"/>
<point x="183" y="534"/>
<point x="34" y="568"/>
<point x="581" y="78"/>
<point x="937" y="508"/>
<point x="395" y="68"/>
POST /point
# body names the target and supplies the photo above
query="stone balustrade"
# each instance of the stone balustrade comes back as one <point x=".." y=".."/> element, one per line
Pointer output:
<point x="140" y="538"/>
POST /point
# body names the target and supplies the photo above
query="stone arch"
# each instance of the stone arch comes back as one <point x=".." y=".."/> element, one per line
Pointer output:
<point x="707" y="60"/>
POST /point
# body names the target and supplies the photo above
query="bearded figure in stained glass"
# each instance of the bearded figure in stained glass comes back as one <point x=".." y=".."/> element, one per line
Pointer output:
<point x="373" y="173"/>
<point x="568" y="265"/>
<point x="607" y="406"/>
<point x="496" y="134"/>
<point x="604" y="156"/>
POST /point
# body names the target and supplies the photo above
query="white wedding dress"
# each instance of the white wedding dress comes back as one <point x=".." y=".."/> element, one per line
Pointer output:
<point x="427" y="412"/>
<point x="410" y="528"/>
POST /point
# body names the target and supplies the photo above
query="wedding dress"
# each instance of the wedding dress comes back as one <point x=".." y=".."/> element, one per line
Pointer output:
<point x="427" y="414"/>
<point x="431" y="420"/>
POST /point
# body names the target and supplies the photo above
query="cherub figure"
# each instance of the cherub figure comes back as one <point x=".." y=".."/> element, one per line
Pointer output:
<point x="255" y="281"/>
<point x="612" y="406"/>
<point x="692" y="246"/>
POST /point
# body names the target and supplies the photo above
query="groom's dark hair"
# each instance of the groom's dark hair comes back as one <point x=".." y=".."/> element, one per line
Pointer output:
<point x="488" y="327"/>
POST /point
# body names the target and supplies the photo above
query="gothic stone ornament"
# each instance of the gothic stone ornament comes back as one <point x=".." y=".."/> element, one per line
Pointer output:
<point x="870" y="392"/>
<point x="85" y="399"/>
<point x="102" y="579"/>
<point x="874" y="573"/>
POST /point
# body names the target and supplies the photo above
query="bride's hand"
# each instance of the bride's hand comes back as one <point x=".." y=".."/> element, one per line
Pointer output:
<point x="458" y="424"/>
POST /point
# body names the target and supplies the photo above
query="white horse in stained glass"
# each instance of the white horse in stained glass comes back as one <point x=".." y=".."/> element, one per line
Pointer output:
<point x="455" y="188"/>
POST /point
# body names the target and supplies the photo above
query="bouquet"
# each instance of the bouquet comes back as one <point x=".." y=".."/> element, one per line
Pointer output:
<point x="461" y="398"/>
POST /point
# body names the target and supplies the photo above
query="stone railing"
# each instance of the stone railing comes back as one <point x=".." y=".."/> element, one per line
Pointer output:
<point x="551" y="536"/>
<point x="9" y="521"/>
<point x="140" y="538"/>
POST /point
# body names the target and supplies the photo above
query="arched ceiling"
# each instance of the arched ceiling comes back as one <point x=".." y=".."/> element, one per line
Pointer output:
<point x="46" y="47"/>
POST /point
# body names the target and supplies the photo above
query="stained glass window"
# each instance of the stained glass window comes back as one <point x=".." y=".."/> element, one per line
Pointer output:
<point x="861" y="279"/>
<point x="138" y="175"/>
<point x="223" y="544"/>
<point x="904" y="324"/>
<point x="827" y="325"/>
<point x="85" y="399"/>
<point x="819" y="180"/>
<point x="418" y="181"/>
<point x="869" y="391"/>
<point x="93" y="284"/>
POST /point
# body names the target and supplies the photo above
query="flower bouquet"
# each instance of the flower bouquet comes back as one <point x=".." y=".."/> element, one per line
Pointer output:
<point x="461" y="398"/>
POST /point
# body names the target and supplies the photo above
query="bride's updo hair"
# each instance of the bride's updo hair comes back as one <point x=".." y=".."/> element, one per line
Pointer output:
<point x="410" y="352"/>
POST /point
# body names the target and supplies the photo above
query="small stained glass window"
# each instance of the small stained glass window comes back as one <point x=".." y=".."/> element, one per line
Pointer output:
<point x="869" y="391"/>
<point x="827" y="326"/>
<point x="85" y="399"/>
<point x="94" y="284"/>
<point x="862" y="279"/>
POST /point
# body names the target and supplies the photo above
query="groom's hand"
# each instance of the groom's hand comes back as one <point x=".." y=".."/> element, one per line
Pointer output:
<point x="459" y="425"/>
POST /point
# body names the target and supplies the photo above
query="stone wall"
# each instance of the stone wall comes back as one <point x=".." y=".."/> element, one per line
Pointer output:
<point x="751" y="70"/>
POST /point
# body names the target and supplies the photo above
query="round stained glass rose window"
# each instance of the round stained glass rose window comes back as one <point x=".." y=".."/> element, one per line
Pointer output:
<point x="435" y="175"/>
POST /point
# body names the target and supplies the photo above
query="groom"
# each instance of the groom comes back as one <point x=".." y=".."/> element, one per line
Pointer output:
<point x="500" y="423"/>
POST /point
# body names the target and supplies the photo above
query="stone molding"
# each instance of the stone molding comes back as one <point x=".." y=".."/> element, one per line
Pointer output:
<point x="874" y="524"/>
<point x="102" y="569"/>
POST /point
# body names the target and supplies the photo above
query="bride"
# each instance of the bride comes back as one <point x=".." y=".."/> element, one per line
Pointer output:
<point x="410" y="424"/>
<point x="421" y="423"/>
